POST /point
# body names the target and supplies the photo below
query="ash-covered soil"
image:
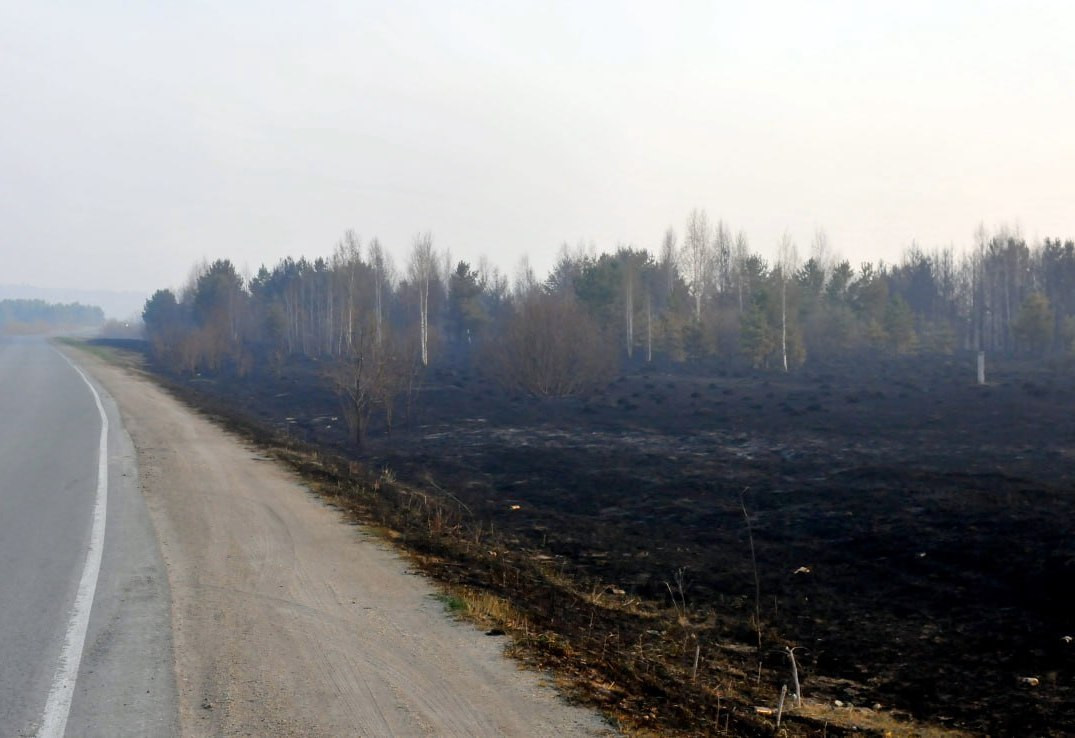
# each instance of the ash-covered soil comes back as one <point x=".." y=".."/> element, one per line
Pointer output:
<point x="914" y="532"/>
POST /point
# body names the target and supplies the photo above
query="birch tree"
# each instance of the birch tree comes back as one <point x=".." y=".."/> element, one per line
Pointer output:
<point x="423" y="271"/>
<point x="444" y="272"/>
<point x="788" y="261"/>
<point x="722" y="256"/>
<point x="668" y="261"/>
<point x="740" y="256"/>
<point x="821" y="252"/>
<point x="347" y="265"/>
<point x="382" y="276"/>
<point x="697" y="258"/>
<point x="525" y="279"/>
<point x="629" y="279"/>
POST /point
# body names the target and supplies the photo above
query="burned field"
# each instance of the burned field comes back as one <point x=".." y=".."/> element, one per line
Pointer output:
<point x="912" y="533"/>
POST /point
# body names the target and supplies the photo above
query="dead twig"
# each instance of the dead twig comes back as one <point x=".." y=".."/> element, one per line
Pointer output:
<point x="757" y="580"/>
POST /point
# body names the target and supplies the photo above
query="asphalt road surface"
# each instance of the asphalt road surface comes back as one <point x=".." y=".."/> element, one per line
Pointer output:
<point x="85" y="631"/>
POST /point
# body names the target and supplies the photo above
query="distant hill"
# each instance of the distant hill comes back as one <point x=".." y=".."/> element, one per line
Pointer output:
<point x="116" y="305"/>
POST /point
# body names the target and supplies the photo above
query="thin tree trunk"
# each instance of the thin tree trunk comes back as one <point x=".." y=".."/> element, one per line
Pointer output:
<point x="798" y="697"/>
<point x="377" y="296"/>
<point x="649" y="327"/>
<point x="423" y="300"/>
<point x="784" y="322"/>
<point x="329" y="305"/>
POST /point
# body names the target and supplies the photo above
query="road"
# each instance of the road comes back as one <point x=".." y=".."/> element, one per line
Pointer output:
<point x="85" y="636"/>
<point x="289" y="620"/>
<point x="191" y="586"/>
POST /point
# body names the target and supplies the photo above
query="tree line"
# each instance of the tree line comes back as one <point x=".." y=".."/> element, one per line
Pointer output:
<point x="705" y="293"/>
<point x="36" y="316"/>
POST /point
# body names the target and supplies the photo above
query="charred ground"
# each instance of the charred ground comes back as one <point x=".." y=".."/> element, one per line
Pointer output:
<point x="912" y="530"/>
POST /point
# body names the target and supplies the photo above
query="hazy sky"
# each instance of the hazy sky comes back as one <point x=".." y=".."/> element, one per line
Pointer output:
<point x="137" y="138"/>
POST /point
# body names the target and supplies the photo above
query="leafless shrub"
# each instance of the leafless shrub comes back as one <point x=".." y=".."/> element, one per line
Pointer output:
<point x="551" y="347"/>
<point x="373" y="373"/>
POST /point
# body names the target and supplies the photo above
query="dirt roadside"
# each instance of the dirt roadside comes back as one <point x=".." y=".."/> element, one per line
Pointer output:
<point x="288" y="621"/>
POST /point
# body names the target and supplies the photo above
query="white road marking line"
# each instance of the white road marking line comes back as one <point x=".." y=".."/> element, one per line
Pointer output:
<point x="58" y="705"/>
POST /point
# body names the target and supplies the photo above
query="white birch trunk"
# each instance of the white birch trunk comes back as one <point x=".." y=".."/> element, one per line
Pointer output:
<point x="784" y="320"/>
<point x="423" y="272"/>
<point x="649" y="327"/>
<point x="697" y="257"/>
<point x="788" y="260"/>
<point x="377" y="299"/>
<point x="329" y="305"/>
<point x="424" y="310"/>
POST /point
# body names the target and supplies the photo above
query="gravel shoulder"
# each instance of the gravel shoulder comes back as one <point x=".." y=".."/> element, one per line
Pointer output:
<point x="289" y="621"/>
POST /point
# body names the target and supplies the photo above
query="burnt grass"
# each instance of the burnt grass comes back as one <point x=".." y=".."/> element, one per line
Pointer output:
<point x="914" y="532"/>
